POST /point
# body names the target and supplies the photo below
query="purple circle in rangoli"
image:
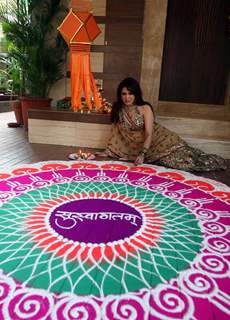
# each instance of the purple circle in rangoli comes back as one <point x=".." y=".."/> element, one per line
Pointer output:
<point x="95" y="220"/>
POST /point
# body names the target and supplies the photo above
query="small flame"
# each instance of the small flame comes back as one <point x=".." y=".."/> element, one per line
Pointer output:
<point x="83" y="155"/>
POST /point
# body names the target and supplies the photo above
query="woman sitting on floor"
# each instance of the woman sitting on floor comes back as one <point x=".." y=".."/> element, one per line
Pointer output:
<point x="136" y="136"/>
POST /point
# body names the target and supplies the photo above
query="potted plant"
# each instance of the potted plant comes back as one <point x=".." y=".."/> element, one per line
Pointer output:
<point x="29" y="29"/>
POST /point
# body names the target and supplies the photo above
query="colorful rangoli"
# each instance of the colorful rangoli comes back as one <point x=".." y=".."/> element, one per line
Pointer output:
<point x="105" y="240"/>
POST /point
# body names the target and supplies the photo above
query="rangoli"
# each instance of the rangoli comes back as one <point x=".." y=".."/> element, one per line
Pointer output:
<point x="109" y="240"/>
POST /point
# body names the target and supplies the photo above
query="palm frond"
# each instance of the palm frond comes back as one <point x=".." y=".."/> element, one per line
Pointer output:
<point x="27" y="25"/>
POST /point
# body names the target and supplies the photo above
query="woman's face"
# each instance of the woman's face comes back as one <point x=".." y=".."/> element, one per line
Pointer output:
<point x="127" y="97"/>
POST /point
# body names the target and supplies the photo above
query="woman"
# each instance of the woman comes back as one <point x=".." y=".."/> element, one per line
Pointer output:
<point x="136" y="136"/>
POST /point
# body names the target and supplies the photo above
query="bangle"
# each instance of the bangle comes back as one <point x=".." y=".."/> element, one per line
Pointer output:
<point x="144" y="150"/>
<point x="143" y="153"/>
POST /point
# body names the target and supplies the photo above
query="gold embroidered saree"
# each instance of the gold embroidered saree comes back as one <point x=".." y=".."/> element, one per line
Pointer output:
<point x="167" y="148"/>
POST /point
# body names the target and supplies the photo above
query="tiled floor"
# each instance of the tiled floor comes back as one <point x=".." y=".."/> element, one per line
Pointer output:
<point x="16" y="150"/>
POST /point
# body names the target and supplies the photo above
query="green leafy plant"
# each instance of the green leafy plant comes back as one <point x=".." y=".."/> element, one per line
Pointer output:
<point x="10" y="75"/>
<point x="64" y="104"/>
<point x="38" y="50"/>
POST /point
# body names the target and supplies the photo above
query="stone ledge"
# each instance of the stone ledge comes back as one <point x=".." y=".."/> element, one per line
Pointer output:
<point x="67" y="133"/>
<point x="197" y="128"/>
<point x="193" y="110"/>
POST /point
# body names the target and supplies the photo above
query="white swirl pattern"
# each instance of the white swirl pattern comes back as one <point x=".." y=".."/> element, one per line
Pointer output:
<point x="27" y="304"/>
<point x="213" y="265"/>
<point x="124" y="307"/>
<point x="215" y="228"/>
<point x="71" y="307"/>
<point x="167" y="302"/>
<point x="217" y="244"/>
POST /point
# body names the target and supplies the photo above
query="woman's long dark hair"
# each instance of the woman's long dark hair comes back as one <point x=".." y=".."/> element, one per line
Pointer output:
<point x="133" y="86"/>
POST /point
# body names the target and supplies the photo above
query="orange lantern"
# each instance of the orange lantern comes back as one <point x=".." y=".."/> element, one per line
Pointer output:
<point x="79" y="29"/>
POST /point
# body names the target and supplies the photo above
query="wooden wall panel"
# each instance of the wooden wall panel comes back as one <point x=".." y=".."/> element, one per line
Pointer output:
<point x="125" y="34"/>
<point x="124" y="8"/>
<point x="123" y="43"/>
<point x="126" y="65"/>
<point x="196" y="51"/>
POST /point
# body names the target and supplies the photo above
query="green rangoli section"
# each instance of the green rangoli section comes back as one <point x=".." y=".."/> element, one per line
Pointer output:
<point x="23" y="259"/>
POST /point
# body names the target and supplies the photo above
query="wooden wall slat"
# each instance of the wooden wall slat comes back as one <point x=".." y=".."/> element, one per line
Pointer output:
<point x="124" y="8"/>
<point x="123" y="39"/>
<point x="124" y="34"/>
<point x="196" y="51"/>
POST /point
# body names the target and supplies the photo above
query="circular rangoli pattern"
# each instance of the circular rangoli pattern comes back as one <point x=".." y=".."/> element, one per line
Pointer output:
<point x="96" y="240"/>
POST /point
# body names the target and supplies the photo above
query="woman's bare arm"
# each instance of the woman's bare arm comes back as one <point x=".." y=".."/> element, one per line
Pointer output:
<point x="147" y="113"/>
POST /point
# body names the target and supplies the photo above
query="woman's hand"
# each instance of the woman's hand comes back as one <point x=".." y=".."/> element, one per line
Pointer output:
<point x="139" y="159"/>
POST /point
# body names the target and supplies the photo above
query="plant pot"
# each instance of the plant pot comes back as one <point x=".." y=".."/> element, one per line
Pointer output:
<point x="33" y="103"/>
<point x="17" y="108"/>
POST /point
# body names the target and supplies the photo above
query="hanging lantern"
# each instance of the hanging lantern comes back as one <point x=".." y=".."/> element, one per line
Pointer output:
<point x="79" y="29"/>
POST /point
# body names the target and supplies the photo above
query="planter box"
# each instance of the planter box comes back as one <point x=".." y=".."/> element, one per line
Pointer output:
<point x="32" y="103"/>
<point x="17" y="108"/>
<point x="69" y="128"/>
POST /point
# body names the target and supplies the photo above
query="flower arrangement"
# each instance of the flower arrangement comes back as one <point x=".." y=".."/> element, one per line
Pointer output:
<point x="64" y="104"/>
